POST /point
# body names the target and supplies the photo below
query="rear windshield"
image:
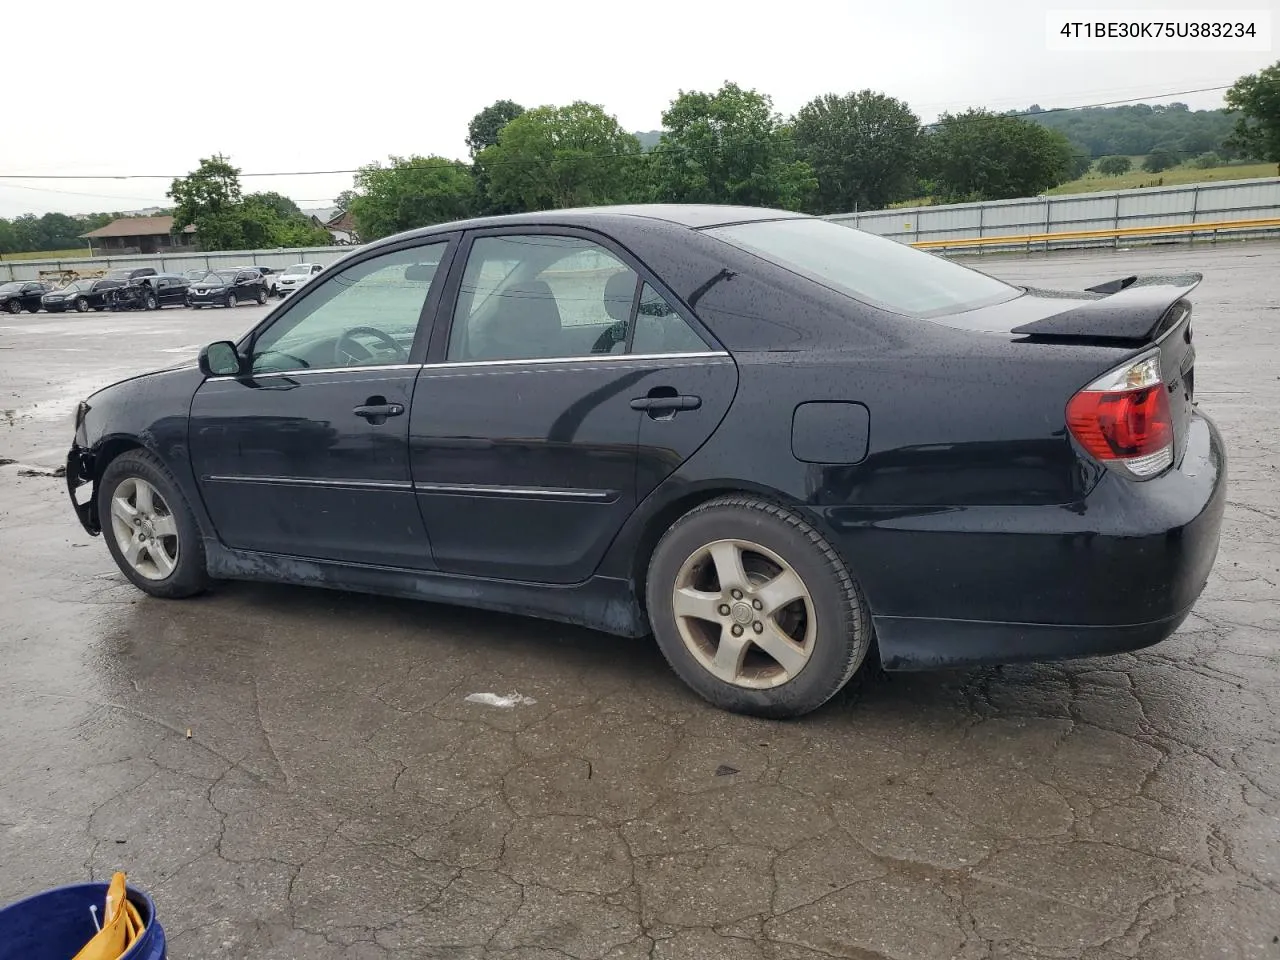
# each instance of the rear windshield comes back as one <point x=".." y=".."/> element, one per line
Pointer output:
<point x="875" y="270"/>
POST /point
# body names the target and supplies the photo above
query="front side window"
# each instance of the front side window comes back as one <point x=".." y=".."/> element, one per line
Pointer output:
<point x="365" y="315"/>
<point x="874" y="270"/>
<point x="540" y="297"/>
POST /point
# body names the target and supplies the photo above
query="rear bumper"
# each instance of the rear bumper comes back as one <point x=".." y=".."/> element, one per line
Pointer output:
<point x="1117" y="571"/>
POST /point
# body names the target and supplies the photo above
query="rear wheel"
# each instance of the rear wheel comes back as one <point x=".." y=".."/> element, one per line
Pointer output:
<point x="149" y="527"/>
<point x="754" y="609"/>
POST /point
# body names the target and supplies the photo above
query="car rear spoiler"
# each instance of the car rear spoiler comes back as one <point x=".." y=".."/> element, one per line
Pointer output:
<point x="1131" y="309"/>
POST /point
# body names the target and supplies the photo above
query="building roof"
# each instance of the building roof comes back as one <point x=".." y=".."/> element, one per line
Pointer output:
<point x="342" y="220"/>
<point x="136" y="227"/>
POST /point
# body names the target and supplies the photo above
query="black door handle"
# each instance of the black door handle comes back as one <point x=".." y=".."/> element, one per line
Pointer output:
<point x="676" y="402"/>
<point x="376" y="410"/>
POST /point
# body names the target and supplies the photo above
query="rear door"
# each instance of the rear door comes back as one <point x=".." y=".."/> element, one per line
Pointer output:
<point x="526" y="423"/>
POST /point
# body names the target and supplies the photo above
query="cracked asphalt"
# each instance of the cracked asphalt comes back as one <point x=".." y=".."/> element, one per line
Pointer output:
<point x="298" y="773"/>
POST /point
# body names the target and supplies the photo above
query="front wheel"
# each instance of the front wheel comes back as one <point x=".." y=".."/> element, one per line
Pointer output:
<point x="262" y="297"/>
<point x="754" y="609"/>
<point x="149" y="527"/>
<point x="230" y="300"/>
<point x="82" y="305"/>
<point x="151" y="303"/>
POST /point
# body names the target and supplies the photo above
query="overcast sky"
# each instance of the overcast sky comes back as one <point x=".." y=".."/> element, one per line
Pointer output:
<point x="140" y="87"/>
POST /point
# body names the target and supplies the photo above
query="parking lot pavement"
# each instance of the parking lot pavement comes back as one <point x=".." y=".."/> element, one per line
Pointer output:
<point x="299" y="773"/>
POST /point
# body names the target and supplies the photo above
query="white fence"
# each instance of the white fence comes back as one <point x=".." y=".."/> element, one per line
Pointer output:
<point x="1232" y="200"/>
<point x="1204" y="203"/>
<point x="177" y="262"/>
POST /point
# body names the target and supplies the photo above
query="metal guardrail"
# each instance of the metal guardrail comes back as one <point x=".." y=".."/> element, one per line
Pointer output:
<point x="1083" y="236"/>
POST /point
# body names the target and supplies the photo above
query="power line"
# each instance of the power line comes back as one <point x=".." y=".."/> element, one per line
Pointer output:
<point x="599" y="156"/>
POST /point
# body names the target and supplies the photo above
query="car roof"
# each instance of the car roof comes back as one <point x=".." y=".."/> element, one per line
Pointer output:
<point x="695" y="216"/>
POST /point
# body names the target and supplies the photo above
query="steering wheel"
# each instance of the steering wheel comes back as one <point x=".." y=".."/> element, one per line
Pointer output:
<point x="343" y="357"/>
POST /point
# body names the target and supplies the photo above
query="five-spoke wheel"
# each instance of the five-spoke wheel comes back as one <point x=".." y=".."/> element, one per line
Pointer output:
<point x="754" y="609"/>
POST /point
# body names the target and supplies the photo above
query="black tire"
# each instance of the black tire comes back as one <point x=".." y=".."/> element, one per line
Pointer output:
<point x="151" y="302"/>
<point x="262" y="296"/>
<point x="14" y="306"/>
<point x="35" y="309"/>
<point x="230" y="300"/>
<point x="843" y="634"/>
<point x="189" y="576"/>
<point x="82" y="305"/>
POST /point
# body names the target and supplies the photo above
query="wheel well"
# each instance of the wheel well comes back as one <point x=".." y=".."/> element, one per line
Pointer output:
<point x="660" y="523"/>
<point x="109" y="450"/>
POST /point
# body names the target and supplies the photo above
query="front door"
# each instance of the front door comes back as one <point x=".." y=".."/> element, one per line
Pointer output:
<point x="307" y="456"/>
<point x="524" y="428"/>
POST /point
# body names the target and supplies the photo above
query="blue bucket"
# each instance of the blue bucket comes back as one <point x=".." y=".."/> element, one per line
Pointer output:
<point x="56" y="924"/>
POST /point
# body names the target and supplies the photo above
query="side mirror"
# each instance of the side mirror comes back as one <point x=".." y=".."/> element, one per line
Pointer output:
<point x="221" y="360"/>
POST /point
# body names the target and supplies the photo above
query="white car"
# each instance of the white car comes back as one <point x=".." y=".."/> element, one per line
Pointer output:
<point x="293" y="277"/>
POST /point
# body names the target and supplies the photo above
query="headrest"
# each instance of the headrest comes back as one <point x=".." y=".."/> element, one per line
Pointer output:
<point x="618" y="294"/>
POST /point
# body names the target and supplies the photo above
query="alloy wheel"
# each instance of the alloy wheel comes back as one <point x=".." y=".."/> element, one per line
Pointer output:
<point x="145" y="529"/>
<point x="744" y="614"/>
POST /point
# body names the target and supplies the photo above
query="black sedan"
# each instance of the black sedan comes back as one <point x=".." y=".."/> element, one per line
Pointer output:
<point x="20" y="295"/>
<point x="776" y="443"/>
<point x="81" y="296"/>
<point x="227" y="288"/>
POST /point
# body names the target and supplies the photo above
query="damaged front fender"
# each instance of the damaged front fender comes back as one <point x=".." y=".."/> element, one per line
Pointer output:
<point x="80" y="472"/>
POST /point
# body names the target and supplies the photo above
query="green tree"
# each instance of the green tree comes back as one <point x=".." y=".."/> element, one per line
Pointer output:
<point x="1256" y="98"/>
<point x="410" y="192"/>
<point x="1114" y="166"/>
<point x="862" y="148"/>
<point x="1159" y="159"/>
<point x="343" y="200"/>
<point x="1207" y="161"/>
<point x="284" y="208"/>
<point x="8" y="237"/>
<point x="729" y="147"/>
<point x="209" y="198"/>
<point x="485" y="126"/>
<point x="553" y="157"/>
<point x="978" y="155"/>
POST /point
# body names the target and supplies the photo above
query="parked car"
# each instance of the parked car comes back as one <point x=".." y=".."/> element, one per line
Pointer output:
<point x="294" y="277"/>
<point x="164" y="290"/>
<point x="131" y="273"/>
<point x="228" y="288"/>
<point x="191" y="276"/>
<point x="19" y="295"/>
<point x="270" y="275"/>
<point x="773" y="441"/>
<point x="80" y="295"/>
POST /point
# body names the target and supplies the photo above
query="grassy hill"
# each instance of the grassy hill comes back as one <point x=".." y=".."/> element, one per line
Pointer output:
<point x="1094" y="182"/>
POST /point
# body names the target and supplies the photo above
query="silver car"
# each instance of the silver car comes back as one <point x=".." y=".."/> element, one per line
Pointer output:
<point x="293" y="277"/>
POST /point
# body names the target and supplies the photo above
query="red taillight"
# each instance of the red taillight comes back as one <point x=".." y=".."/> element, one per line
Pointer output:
<point x="1124" y="418"/>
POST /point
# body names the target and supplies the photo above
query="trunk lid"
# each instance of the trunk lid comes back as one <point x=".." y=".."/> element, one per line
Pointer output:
<point x="1135" y="312"/>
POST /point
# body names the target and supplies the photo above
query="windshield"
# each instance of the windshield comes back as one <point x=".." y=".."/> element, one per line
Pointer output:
<point x="875" y="270"/>
<point x="76" y="286"/>
<point x="297" y="270"/>
<point x="10" y="287"/>
<point x="222" y="276"/>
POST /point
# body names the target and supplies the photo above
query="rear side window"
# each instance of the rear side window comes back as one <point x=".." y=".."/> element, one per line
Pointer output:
<point x="541" y="297"/>
<point x="874" y="270"/>
<point x="659" y="329"/>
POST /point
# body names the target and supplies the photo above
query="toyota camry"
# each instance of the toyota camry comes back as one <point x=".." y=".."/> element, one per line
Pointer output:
<point x="784" y="447"/>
